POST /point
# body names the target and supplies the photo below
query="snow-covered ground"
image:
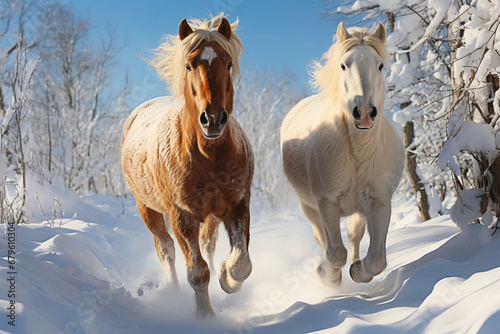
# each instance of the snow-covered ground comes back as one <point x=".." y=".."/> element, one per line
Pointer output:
<point x="99" y="273"/>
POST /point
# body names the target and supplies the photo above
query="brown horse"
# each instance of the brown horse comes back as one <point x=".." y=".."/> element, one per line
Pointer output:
<point x="187" y="160"/>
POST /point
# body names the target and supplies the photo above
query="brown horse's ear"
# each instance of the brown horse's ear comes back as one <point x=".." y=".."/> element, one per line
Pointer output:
<point x="342" y="33"/>
<point x="184" y="29"/>
<point x="380" y="32"/>
<point x="224" y="28"/>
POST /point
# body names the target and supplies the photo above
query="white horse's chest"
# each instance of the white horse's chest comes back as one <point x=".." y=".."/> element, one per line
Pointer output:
<point x="354" y="198"/>
<point x="352" y="181"/>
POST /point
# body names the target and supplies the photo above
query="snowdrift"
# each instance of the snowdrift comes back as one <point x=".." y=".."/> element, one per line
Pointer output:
<point x="99" y="273"/>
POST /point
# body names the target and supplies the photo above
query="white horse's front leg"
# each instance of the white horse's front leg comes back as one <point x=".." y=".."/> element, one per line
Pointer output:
<point x="375" y="261"/>
<point x="330" y="270"/>
<point x="355" y="231"/>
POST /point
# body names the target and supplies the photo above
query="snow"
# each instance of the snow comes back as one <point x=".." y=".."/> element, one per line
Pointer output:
<point x="467" y="207"/>
<point x="466" y="136"/>
<point x="99" y="273"/>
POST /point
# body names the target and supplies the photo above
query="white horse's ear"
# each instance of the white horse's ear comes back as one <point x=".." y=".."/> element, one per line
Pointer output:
<point x="380" y="32"/>
<point x="342" y="33"/>
<point x="224" y="28"/>
<point x="184" y="30"/>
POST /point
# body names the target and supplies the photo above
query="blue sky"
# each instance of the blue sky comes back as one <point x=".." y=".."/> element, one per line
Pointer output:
<point x="275" y="34"/>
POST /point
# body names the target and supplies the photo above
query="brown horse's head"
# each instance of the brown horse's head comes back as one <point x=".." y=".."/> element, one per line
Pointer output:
<point x="208" y="89"/>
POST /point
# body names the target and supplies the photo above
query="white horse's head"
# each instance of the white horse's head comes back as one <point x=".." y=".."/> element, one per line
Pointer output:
<point x="352" y="75"/>
<point x="361" y="81"/>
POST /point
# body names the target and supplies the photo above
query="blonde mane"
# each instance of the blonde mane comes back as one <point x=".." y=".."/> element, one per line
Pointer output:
<point x="324" y="78"/>
<point x="170" y="56"/>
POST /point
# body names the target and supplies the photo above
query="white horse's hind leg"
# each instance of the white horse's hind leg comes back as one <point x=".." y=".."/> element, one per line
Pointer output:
<point x="330" y="270"/>
<point x="355" y="232"/>
<point x="318" y="230"/>
<point x="375" y="261"/>
<point x="328" y="274"/>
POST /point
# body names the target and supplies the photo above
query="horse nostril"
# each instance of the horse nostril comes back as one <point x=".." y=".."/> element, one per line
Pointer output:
<point x="356" y="114"/>
<point x="373" y="113"/>
<point x="223" y="118"/>
<point x="204" y="118"/>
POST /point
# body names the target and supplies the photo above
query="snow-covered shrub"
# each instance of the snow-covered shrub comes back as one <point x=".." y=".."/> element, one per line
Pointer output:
<point x="473" y="129"/>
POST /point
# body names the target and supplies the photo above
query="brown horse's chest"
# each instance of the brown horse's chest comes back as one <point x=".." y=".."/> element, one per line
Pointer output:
<point x="214" y="189"/>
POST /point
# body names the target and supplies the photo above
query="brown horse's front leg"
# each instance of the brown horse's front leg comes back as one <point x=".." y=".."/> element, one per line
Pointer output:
<point x="187" y="229"/>
<point x="238" y="266"/>
<point x="208" y="240"/>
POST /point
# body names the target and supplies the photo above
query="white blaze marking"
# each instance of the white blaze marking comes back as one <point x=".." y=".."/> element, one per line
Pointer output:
<point x="208" y="54"/>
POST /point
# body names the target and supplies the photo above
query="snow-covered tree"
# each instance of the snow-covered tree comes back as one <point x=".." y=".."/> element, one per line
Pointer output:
<point x="62" y="120"/>
<point x="474" y="127"/>
<point x="80" y="118"/>
<point x="262" y="100"/>
<point x="16" y="137"/>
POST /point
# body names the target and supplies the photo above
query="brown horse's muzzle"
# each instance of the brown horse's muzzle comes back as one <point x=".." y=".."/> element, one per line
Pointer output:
<point x="213" y="124"/>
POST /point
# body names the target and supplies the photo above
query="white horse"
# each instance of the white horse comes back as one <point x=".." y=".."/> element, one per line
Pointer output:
<point x="343" y="156"/>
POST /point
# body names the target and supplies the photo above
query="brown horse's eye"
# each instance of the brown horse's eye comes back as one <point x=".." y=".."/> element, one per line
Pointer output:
<point x="229" y="66"/>
<point x="188" y="67"/>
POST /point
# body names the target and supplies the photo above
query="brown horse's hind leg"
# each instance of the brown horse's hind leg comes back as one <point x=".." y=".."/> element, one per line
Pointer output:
<point x="155" y="222"/>
<point x="208" y="240"/>
<point x="187" y="231"/>
<point x="238" y="266"/>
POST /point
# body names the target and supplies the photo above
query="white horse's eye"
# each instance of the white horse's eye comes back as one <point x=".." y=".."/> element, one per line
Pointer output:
<point x="381" y="66"/>
<point x="342" y="66"/>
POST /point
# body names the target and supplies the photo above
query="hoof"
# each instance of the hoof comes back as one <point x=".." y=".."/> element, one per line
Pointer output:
<point x="203" y="306"/>
<point x="174" y="282"/>
<point x="234" y="271"/>
<point x="239" y="265"/>
<point x="227" y="283"/>
<point x="337" y="256"/>
<point x="329" y="276"/>
<point x="358" y="274"/>
<point x="205" y="314"/>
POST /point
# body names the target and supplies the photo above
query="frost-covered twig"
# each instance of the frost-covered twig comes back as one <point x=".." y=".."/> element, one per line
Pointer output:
<point x="55" y="211"/>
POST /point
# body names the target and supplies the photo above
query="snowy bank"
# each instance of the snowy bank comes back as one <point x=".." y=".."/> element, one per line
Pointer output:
<point x="99" y="273"/>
